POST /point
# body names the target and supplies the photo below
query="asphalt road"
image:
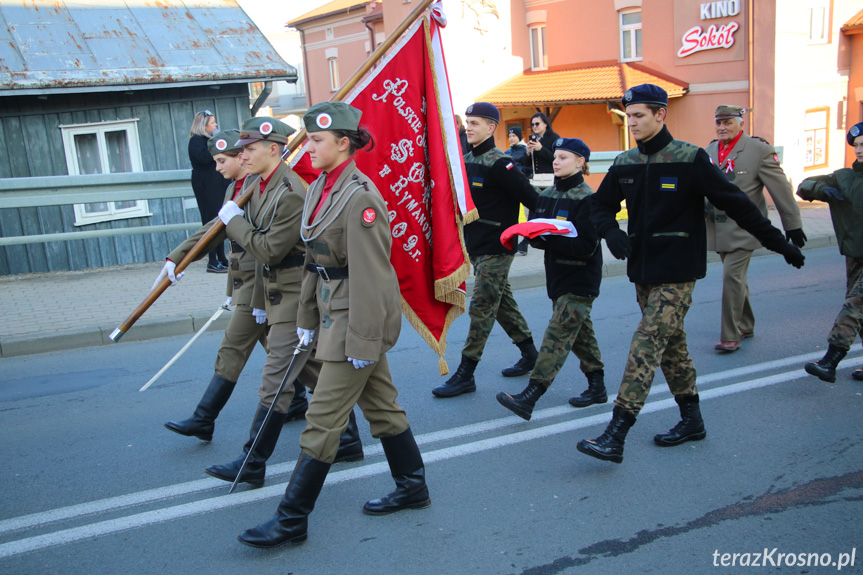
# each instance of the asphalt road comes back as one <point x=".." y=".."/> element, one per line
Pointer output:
<point x="92" y="483"/>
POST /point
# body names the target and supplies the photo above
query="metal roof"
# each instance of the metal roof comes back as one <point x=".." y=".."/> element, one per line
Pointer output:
<point x="87" y="45"/>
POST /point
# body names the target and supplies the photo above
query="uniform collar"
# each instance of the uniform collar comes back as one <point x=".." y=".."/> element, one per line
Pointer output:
<point x="857" y="167"/>
<point x="484" y="147"/>
<point x="656" y="143"/>
<point x="564" y="184"/>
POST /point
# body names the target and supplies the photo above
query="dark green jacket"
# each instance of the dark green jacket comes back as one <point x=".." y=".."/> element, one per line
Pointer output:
<point x="847" y="214"/>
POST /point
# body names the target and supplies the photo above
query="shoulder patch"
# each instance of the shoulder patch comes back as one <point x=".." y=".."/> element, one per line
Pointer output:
<point x="369" y="217"/>
<point x="761" y="139"/>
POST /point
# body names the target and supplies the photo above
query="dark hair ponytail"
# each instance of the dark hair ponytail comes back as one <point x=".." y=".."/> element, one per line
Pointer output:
<point x="359" y="138"/>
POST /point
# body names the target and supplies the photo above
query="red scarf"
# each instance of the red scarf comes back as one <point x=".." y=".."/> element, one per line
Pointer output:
<point x="725" y="149"/>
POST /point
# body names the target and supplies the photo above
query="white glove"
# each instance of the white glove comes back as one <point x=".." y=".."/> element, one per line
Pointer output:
<point x="260" y="315"/>
<point x="228" y="211"/>
<point x="305" y="335"/>
<point x="359" y="363"/>
<point x="168" y="270"/>
<point x="227" y="302"/>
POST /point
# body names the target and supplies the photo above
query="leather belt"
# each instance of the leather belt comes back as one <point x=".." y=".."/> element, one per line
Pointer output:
<point x="327" y="273"/>
<point x="293" y="261"/>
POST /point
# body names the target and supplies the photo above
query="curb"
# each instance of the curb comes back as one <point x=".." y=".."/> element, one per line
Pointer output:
<point x="89" y="336"/>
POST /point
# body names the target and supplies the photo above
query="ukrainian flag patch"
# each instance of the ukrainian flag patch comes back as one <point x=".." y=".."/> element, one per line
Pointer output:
<point x="668" y="184"/>
<point x="562" y="215"/>
<point x="476" y="183"/>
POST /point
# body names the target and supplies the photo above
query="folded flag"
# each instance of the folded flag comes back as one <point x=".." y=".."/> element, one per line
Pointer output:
<point x="536" y="228"/>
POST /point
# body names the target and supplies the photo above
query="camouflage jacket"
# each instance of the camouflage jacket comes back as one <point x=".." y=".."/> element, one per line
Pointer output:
<point x="497" y="187"/>
<point x="847" y="214"/>
<point x="572" y="265"/>
<point x="664" y="182"/>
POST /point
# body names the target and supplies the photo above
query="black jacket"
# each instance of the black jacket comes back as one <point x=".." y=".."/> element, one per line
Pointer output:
<point x="572" y="265"/>
<point x="208" y="184"/>
<point x="497" y="187"/>
<point x="518" y="153"/>
<point x="664" y="182"/>
<point x="540" y="162"/>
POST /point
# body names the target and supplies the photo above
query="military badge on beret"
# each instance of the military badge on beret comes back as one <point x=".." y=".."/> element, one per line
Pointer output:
<point x="469" y="109"/>
<point x="628" y="96"/>
<point x="324" y="121"/>
<point x="265" y="128"/>
<point x="369" y="217"/>
<point x="855" y="130"/>
<point x="221" y="144"/>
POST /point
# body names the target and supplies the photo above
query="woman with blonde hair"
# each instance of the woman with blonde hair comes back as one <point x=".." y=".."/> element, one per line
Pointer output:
<point x="207" y="183"/>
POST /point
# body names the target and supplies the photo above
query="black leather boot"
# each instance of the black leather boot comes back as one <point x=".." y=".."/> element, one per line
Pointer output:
<point x="256" y="468"/>
<point x="291" y="522"/>
<point x="299" y="404"/>
<point x="350" y="444"/>
<point x="462" y="380"/>
<point x="525" y="363"/>
<point x="595" y="392"/>
<point x="690" y="427"/>
<point x="522" y="404"/>
<point x="406" y="466"/>
<point x="825" y="369"/>
<point x="609" y="445"/>
<point x="203" y="421"/>
<point x="857" y="374"/>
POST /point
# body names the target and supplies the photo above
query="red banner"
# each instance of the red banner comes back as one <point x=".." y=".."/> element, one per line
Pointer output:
<point x="417" y="166"/>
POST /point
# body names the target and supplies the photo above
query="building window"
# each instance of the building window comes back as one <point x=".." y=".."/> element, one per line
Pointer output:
<point x="256" y="89"/>
<point x="819" y="21"/>
<point x="815" y="138"/>
<point x="330" y="34"/>
<point x="538" y="55"/>
<point x="630" y="36"/>
<point x="334" y="73"/>
<point x="104" y="148"/>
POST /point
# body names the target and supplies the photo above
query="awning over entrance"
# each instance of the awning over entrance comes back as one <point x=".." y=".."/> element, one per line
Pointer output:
<point x="583" y="85"/>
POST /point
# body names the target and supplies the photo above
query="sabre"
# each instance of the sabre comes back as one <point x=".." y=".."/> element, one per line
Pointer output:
<point x="189" y="343"/>
<point x="297" y="351"/>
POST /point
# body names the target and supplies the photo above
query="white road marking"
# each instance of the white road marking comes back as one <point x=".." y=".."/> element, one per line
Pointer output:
<point x="367" y="470"/>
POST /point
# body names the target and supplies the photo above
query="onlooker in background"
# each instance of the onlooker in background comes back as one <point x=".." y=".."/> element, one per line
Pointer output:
<point x="207" y="183"/>
<point x="752" y="164"/>
<point x="539" y="149"/>
<point x="462" y="134"/>
<point x="843" y="190"/>
<point x="518" y="151"/>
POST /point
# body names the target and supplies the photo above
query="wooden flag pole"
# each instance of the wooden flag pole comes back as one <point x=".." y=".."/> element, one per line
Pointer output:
<point x="217" y="226"/>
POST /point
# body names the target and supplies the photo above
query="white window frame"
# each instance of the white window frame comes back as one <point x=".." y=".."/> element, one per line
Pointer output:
<point x="633" y="30"/>
<point x="543" y="54"/>
<point x="821" y="7"/>
<point x="333" y="65"/>
<point x="330" y="33"/>
<point x="141" y="208"/>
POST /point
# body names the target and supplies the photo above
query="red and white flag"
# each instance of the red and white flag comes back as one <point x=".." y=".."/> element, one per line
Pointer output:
<point x="417" y="165"/>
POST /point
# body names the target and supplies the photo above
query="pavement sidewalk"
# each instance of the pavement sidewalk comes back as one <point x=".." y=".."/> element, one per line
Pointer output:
<point x="64" y="310"/>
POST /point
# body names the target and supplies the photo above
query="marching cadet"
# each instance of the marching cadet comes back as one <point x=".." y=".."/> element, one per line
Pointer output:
<point x="843" y="191"/>
<point x="664" y="182"/>
<point x="752" y="164"/>
<point x="350" y="297"/>
<point x="498" y="187"/>
<point x="247" y="325"/>
<point x="269" y="230"/>
<point x="573" y="270"/>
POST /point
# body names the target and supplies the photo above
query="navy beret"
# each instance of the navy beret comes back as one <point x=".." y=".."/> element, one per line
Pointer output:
<point x="483" y="110"/>
<point x="573" y="145"/>
<point x="645" y="94"/>
<point x="856" y="130"/>
<point x="515" y="130"/>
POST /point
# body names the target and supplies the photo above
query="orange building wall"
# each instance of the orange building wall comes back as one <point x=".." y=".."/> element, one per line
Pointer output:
<point x="351" y="54"/>
<point x="855" y="90"/>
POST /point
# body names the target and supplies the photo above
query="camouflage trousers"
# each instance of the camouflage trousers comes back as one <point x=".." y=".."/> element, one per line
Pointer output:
<point x="659" y="341"/>
<point x="849" y="322"/>
<point x="570" y="329"/>
<point x="492" y="300"/>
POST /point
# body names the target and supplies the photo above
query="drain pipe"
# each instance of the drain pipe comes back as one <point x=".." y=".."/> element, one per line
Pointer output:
<point x="265" y="93"/>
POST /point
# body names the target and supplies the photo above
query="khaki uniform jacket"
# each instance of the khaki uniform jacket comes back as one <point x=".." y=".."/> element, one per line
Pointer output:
<point x="755" y="167"/>
<point x="360" y="316"/>
<point x="269" y="231"/>
<point x="243" y="280"/>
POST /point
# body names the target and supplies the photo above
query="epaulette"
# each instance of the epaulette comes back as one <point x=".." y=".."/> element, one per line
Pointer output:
<point x="713" y="140"/>
<point x="288" y="183"/>
<point x="762" y="139"/>
<point x="365" y="185"/>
